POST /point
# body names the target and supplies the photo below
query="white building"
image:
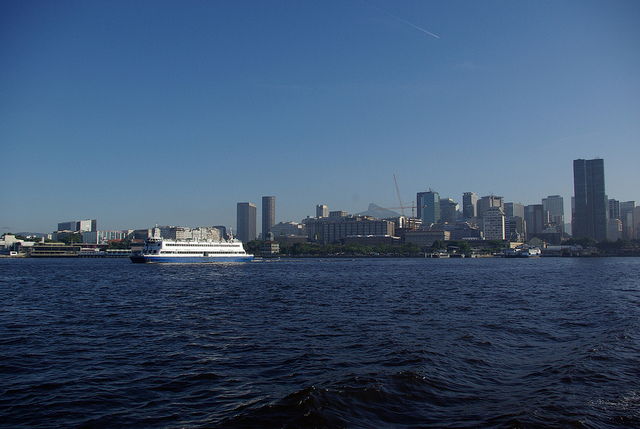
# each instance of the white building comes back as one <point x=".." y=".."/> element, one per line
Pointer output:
<point x="102" y="237"/>
<point x="614" y="229"/>
<point x="493" y="224"/>
<point x="288" y="228"/>
<point x="322" y="210"/>
<point x="187" y="233"/>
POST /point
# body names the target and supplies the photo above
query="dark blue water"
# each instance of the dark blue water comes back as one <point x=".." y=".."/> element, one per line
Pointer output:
<point x="321" y="343"/>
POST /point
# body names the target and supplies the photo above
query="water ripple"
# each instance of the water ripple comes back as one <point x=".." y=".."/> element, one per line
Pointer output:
<point x="321" y="343"/>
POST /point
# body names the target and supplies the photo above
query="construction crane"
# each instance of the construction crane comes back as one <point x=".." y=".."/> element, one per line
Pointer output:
<point x="402" y="206"/>
<point x="398" y="193"/>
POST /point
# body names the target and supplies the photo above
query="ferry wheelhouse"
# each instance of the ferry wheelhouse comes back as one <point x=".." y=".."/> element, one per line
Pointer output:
<point x="191" y="251"/>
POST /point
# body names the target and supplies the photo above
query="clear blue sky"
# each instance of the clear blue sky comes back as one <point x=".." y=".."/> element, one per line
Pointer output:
<point x="144" y="112"/>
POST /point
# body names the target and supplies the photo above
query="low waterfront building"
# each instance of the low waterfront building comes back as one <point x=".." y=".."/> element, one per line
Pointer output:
<point x="102" y="237"/>
<point x="288" y="228"/>
<point x="55" y="250"/>
<point x="333" y="228"/>
<point x="464" y="231"/>
<point x="338" y="213"/>
<point x="269" y="248"/>
<point x="372" y="240"/>
<point x="425" y="238"/>
<point x="290" y="240"/>
<point x="564" y="250"/>
<point x="10" y="243"/>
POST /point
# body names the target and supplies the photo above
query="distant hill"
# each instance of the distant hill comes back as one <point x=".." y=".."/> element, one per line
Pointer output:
<point x="37" y="234"/>
<point x="376" y="211"/>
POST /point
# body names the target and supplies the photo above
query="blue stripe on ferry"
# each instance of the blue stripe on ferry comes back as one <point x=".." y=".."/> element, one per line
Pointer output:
<point x="196" y="259"/>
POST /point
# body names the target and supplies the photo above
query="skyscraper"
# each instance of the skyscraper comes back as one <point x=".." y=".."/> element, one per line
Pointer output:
<point x="493" y="224"/>
<point x="554" y="206"/>
<point x="428" y="207"/>
<point x="614" y="209"/>
<point x="246" y="222"/>
<point x="448" y="210"/>
<point x="626" y="216"/>
<point x="535" y="219"/>
<point x="591" y="204"/>
<point x="486" y="202"/>
<point x="469" y="205"/>
<point x="514" y="210"/>
<point x="268" y="215"/>
<point x="515" y="226"/>
<point x="322" y="210"/>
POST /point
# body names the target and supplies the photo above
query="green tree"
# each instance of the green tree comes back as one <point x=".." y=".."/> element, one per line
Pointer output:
<point x="71" y="238"/>
<point x="437" y="245"/>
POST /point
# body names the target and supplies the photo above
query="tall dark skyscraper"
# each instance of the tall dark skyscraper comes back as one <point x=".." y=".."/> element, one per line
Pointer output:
<point x="246" y="222"/>
<point x="534" y="217"/>
<point x="591" y="204"/>
<point x="268" y="215"/>
<point x="428" y="206"/>
<point x="469" y="205"/>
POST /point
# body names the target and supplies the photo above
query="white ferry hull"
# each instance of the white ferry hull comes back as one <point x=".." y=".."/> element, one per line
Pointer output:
<point x="152" y="259"/>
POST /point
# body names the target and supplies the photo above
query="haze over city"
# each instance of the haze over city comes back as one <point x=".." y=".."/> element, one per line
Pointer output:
<point x="153" y="112"/>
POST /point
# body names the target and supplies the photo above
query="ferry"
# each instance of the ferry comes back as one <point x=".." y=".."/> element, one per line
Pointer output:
<point x="157" y="250"/>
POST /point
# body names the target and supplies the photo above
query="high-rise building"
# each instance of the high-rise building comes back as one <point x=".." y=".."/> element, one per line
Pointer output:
<point x="553" y="205"/>
<point x="428" y="207"/>
<point x="488" y="201"/>
<point x="68" y="226"/>
<point x="626" y="216"/>
<point x="335" y="228"/>
<point x="246" y="222"/>
<point x="514" y="209"/>
<point x="85" y="225"/>
<point x="322" y="210"/>
<point x="493" y="223"/>
<point x="515" y="226"/>
<point x="535" y="219"/>
<point x="448" y="210"/>
<point x="614" y="209"/>
<point x="591" y="204"/>
<point x="614" y="229"/>
<point x="268" y="215"/>
<point x="469" y="205"/>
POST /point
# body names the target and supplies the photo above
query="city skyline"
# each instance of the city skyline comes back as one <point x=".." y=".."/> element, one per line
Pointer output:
<point x="140" y="114"/>
<point x="270" y="201"/>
